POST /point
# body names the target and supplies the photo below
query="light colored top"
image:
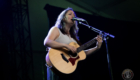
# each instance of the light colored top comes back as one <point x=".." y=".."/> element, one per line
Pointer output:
<point x="64" y="38"/>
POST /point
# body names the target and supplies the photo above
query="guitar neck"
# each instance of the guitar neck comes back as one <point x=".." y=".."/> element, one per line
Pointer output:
<point x="84" y="46"/>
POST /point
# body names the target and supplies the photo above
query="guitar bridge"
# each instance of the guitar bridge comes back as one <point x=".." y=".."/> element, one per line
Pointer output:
<point x="64" y="58"/>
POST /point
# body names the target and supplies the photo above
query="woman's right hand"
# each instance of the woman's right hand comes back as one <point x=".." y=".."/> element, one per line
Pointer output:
<point x="71" y="48"/>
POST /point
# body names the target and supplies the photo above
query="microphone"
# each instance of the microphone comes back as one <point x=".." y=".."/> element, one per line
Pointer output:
<point x="77" y="19"/>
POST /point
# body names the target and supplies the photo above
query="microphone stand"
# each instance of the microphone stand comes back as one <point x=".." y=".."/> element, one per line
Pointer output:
<point x="105" y="37"/>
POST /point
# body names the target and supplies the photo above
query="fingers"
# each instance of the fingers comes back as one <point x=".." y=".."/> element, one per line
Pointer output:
<point x="72" y="48"/>
<point x="99" y="41"/>
<point x="99" y="38"/>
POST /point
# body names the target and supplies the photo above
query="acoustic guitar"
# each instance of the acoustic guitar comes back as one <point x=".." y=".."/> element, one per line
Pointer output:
<point x="65" y="61"/>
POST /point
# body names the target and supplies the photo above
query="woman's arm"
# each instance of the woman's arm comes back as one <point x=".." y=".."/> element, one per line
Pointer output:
<point x="91" y="50"/>
<point x="97" y="47"/>
<point x="50" y="40"/>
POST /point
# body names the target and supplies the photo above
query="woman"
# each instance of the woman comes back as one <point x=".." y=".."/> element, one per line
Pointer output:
<point x="64" y="32"/>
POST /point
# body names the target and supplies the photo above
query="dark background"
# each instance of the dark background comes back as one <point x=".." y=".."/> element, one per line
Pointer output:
<point x="123" y="49"/>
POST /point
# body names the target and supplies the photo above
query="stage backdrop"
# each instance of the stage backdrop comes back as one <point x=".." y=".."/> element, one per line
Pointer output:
<point x="121" y="49"/>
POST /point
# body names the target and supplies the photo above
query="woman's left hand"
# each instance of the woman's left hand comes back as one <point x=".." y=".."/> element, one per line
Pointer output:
<point x="99" y="41"/>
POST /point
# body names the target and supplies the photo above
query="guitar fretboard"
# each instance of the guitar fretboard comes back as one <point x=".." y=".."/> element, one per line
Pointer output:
<point x="84" y="46"/>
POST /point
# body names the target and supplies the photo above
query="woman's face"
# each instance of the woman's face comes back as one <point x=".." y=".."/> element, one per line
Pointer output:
<point x="69" y="15"/>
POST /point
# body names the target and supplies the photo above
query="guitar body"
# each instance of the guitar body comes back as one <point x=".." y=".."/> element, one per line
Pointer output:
<point x="62" y="61"/>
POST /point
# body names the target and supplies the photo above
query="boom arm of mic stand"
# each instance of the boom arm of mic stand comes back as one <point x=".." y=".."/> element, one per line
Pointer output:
<point x="97" y="30"/>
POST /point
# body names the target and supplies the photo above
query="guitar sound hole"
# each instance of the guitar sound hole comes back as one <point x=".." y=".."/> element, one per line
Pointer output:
<point x="72" y="54"/>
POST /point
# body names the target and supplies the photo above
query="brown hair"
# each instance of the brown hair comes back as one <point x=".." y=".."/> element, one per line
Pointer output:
<point x="74" y="29"/>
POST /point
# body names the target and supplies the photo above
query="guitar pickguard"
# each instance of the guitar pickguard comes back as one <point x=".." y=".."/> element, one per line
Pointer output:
<point x="72" y="60"/>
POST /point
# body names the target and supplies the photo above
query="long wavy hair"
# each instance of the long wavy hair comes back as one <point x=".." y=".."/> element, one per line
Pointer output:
<point x="60" y="24"/>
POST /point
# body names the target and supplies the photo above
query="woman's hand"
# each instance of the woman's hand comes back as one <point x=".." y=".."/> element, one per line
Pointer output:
<point x="71" y="48"/>
<point x="99" y="41"/>
<point x="98" y="45"/>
